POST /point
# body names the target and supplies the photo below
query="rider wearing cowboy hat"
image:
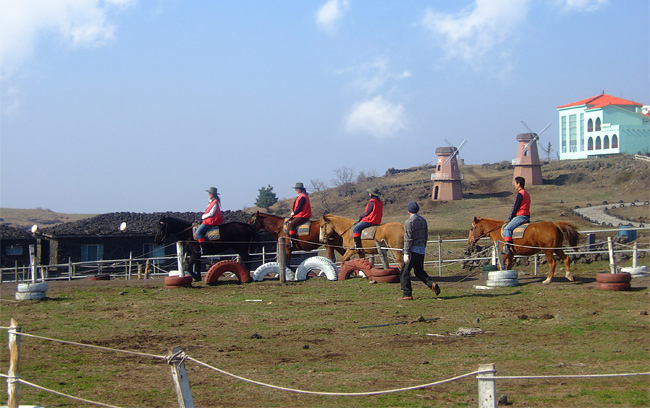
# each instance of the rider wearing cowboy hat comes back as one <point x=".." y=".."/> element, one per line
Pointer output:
<point x="211" y="217"/>
<point x="372" y="216"/>
<point x="300" y="213"/>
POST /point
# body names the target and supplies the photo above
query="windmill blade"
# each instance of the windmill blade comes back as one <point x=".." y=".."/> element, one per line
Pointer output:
<point x="535" y="137"/>
<point x="456" y="151"/>
<point x="448" y="142"/>
<point x="543" y="130"/>
<point x="529" y="129"/>
<point x="461" y="146"/>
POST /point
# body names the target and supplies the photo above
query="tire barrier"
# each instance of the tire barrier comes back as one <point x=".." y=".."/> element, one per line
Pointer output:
<point x="606" y="277"/>
<point x="99" y="276"/>
<point x="221" y="267"/>
<point x="355" y="268"/>
<point x="317" y="262"/>
<point x="638" y="272"/>
<point x="613" y="286"/>
<point x="506" y="278"/>
<point x="389" y="275"/>
<point x="172" y="282"/>
<point x="271" y="267"/>
<point x="31" y="291"/>
<point x="387" y="279"/>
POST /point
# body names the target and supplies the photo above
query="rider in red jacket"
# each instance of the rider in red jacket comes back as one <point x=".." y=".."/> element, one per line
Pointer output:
<point x="372" y="216"/>
<point x="300" y="214"/>
<point x="520" y="213"/>
<point x="211" y="217"/>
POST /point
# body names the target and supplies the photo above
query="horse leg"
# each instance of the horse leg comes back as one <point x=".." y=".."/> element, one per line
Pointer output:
<point x="565" y="258"/>
<point x="194" y="268"/>
<point x="330" y="253"/>
<point x="399" y="255"/>
<point x="509" y="261"/>
<point x="347" y="255"/>
<point x="551" y="266"/>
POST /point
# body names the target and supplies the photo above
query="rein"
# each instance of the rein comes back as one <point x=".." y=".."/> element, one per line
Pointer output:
<point x="475" y="238"/>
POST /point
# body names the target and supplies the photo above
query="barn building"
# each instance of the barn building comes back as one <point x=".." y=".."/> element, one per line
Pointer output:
<point x="603" y="125"/>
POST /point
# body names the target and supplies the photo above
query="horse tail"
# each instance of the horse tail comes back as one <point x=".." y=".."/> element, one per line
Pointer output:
<point x="569" y="231"/>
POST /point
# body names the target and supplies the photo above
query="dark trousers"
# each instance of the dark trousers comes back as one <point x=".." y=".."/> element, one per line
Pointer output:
<point x="416" y="262"/>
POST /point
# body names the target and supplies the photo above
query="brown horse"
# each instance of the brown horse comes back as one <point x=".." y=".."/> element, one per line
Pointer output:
<point x="275" y="226"/>
<point x="542" y="236"/>
<point x="392" y="232"/>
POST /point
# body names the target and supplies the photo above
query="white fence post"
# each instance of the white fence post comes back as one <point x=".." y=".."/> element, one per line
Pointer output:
<point x="179" y="375"/>
<point x="14" y="358"/>
<point x="634" y="256"/>
<point x="612" y="261"/>
<point x="439" y="255"/>
<point x="179" y="258"/>
<point x="486" y="386"/>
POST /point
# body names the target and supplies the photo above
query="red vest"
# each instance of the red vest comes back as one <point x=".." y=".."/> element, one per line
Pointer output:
<point x="377" y="211"/>
<point x="306" y="208"/>
<point x="524" y="207"/>
<point x="216" y="218"/>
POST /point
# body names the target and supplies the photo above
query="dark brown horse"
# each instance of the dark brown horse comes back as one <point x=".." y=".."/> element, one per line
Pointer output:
<point x="542" y="236"/>
<point x="237" y="236"/>
<point x="275" y="226"/>
<point x="392" y="233"/>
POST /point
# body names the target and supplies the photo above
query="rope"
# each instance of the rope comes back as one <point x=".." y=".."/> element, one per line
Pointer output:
<point x="341" y="394"/>
<point x="60" y="393"/>
<point x="536" y="377"/>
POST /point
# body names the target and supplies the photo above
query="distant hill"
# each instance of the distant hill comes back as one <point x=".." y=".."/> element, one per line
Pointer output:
<point x="25" y="218"/>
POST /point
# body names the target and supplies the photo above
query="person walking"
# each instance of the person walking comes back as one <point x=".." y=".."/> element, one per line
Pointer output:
<point x="520" y="214"/>
<point x="416" y="234"/>
<point x="211" y="217"/>
<point x="372" y="216"/>
<point x="300" y="213"/>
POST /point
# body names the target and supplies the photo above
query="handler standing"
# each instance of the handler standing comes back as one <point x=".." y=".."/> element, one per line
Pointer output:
<point x="300" y="214"/>
<point x="520" y="213"/>
<point x="211" y="217"/>
<point x="416" y="234"/>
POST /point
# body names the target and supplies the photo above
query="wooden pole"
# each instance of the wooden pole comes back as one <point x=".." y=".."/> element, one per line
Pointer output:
<point x="439" y="255"/>
<point x="281" y="259"/>
<point x="634" y="256"/>
<point x="14" y="359"/>
<point x="128" y="271"/>
<point x="612" y="261"/>
<point x="179" y="258"/>
<point x="139" y="271"/>
<point x="486" y="387"/>
<point x="32" y="262"/>
<point x="70" y="270"/>
<point x="181" y="381"/>
<point x="497" y="250"/>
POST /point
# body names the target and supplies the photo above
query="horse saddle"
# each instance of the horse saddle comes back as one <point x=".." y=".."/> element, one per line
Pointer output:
<point x="367" y="233"/>
<point x="301" y="230"/>
<point x="518" y="232"/>
<point x="211" y="235"/>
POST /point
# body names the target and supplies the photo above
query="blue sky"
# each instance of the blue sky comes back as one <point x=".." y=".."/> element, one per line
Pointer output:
<point x="125" y="105"/>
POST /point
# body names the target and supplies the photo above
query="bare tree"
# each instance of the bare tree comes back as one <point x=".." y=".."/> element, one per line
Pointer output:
<point x="344" y="177"/>
<point x="548" y="152"/>
<point x="320" y="187"/>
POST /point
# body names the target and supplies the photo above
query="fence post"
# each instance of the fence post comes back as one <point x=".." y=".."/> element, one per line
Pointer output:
<point x="14" y="358"/>
<point x="536" y="264"/>
<point x="612" y="261"/>
<point x="439" y="255"/>
<point x="497" y="250"/>
<point x="634" y="255"/>
<point x="128" y="272"/>
<point x="281" y="259"/>
<point x="70" y="270"/>
<point x="179" y="258"/>
<point x="486" y="387"/>
<point x="179" y="375"/>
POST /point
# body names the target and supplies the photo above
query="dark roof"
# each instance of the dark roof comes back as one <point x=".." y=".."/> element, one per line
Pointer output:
<point x="9" y="232"/>
<point x="136" y="223"/>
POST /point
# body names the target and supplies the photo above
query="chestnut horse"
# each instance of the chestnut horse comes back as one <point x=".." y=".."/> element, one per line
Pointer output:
<point x="392" y="232"/>
<point x="542" y="236"/>
<point x="275" y="226"/>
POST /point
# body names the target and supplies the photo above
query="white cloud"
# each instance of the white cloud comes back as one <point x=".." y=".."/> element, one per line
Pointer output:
<point x="376" y="117"/>
<point x="330" y="13"/>
<point x="79" y="23"/>
<point x="477" y="30"/>
<point x="371" y="76"/>
<point x="581" y="6"/>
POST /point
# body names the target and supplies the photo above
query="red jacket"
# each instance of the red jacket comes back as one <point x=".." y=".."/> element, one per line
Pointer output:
<point x="376" y="212"/>
<point x="305" y="211"/>
<point x="212" y="215"/>
<point x="524" y="206"/>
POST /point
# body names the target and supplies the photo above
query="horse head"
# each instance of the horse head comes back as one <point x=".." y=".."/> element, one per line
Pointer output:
<point x="476" y="232"/>
<point x="161" y="231"/>
<point x="326" y="229"/>
<point x="255" y="221"/>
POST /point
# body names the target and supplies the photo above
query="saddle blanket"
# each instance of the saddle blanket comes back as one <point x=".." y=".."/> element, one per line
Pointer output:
<point x="519" y="231"/>
<point x="303" y="229"/>
<point x="367" y="233"/>
<point x="211" y="235"/>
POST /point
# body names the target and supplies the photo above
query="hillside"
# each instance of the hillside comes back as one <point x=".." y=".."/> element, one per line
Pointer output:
<point x="25" y="218"/>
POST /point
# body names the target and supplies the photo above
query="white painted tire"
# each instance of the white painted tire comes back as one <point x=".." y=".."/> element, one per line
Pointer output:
<point x="271" y="267"/>
<point x="30" y="295"/>
<point x="638" y="272"/>
<point x="317" y="262"/>
<point x="507" y="274"/>
<point x="32" y="287"/>
<point x="494" y="283"/>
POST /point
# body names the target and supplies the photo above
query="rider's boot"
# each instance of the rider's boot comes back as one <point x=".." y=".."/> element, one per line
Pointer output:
<point x="507" y="248"/>
<point x="357" y="243"/>
<point x="201" y="241"/>
<point x="292" y="240"/>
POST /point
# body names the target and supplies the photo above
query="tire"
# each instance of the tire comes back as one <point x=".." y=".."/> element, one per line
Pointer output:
<point x="100" y="276"/>
<point x="317" y="262"/>
<point x="386" y="279"/>
<point x="219" y="268"/>
<point x="639" y="270"/>
<point x="271" y="267"/>
<point x="353" y="267"/>
<point x="172" y="282"/>
<point x="30" y="295"/>
<point x="32" y="287"/>
<point x="490" y="268"/>
<point x="494" y="283"/>
<point x="379" y="272"/>
<point x="606" y="277"/>
<point x="507" y="274"/>
<point x="613" y="285"/>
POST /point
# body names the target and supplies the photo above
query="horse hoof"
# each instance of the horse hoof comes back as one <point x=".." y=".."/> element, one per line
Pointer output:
<point x="570" y="278"/>
<point x="546" y="281"/>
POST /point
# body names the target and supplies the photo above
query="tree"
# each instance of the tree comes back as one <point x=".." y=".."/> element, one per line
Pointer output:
<point x="548" y="152"/>
<point x="266" y="197"/>
<point x="320" y="187"/>
<point x="344" y="177"/>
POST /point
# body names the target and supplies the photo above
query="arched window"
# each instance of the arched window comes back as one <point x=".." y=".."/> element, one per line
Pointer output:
<point x="598" y="145"/>
<point x="606" y="142"/>
<point x="438" y="166"/>
<point x="435" y="193"/>
<point x="590" y="125"/>
<point x="597" y="124"/>
<point x="590" y="144"/>
<point x="614" y="142"/>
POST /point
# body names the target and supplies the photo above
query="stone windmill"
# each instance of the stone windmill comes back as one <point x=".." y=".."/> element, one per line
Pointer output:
<point x="447" y="178"/>
<point x="527" y="163"/>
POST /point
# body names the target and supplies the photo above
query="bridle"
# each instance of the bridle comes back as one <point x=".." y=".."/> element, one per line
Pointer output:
<point x="475" y="238"/>
<point x="255" y="222"/>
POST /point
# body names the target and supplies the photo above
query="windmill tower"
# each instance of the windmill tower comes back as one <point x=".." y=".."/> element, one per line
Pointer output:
<point x="447" y="178"/>
<point x="527" y="163"/>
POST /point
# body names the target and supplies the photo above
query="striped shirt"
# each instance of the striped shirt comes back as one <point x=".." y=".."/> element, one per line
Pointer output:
<point x="416" y="233"/>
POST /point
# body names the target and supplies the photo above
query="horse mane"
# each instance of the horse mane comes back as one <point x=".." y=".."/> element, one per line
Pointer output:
<point x="490" y="220"/>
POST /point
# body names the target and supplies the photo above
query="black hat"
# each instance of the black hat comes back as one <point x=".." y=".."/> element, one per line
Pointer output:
<point x="413" y="207"/>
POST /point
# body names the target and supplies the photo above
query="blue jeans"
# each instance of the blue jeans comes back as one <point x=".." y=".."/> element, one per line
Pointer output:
<point x="514" y="223"/>
<point x="200" y="232"/>
<point x="360" y="226"/>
